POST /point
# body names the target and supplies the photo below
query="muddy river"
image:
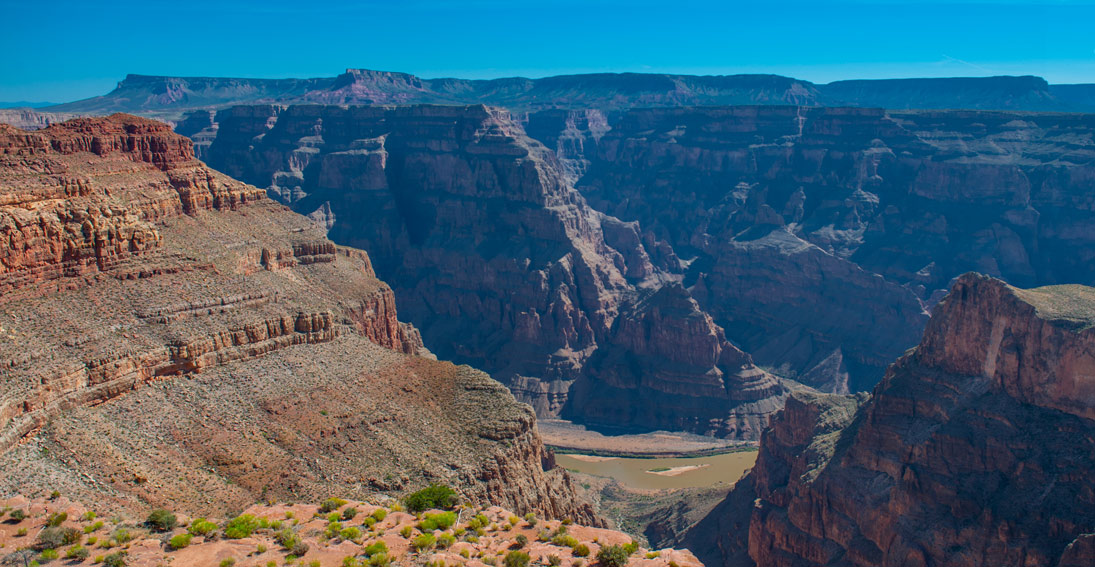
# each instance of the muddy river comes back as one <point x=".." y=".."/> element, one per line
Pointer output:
<point x="664" y="472"/>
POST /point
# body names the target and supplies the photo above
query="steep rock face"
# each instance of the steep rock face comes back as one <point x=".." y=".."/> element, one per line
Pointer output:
<point x="489" y="249"/>
<point x="173" y="336"/>
<point x="804" y="227"/>
<point x="974" y="449"/>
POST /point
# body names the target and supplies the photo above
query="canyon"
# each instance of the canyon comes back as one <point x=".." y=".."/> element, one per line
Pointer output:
<point x="973" y="450"/>
<point x="173" y="337"/>
<point x="502" y="264"/>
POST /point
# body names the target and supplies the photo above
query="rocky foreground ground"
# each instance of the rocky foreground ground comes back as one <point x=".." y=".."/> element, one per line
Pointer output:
<point x="331" y="533"/>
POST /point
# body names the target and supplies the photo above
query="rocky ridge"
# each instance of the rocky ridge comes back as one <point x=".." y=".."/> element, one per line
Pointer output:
<point x="377" y="532"/>
<point x="500" y="262"/>
<point x="172" y="335"/>
<point x="171" y="97"/>
<point x="972" y="451"/>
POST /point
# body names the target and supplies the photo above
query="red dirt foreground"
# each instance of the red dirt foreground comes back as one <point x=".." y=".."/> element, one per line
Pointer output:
<point x="335" y="533"/>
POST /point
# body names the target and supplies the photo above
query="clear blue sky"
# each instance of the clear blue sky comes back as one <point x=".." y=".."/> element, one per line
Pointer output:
<point x="63" y="50"/>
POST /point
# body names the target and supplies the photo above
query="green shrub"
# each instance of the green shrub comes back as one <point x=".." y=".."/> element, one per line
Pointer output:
<point x="122" y="536"/>
<point x="21" y="532"/>
<point x="653" y="555"/>
<point x="436" y="496"/>
<point x="522" y="540"/>
<point x="161" y="520"/>
<point x="93" y="527"/>
<point x="201" y="527"/>
<point x="49" y="555"/>
<point x="379" y="514"/>
<point x="331" y="504"/>
<point x="351" y="533"/>
<point x="350" y="561"/>
<point x="52" y="538"/>
<point x="299" y="548"/>
<point x="442" y="521"/>
<point x="423" y="541"/>
<point x="334" y="517"/>
<point x="580" y="550"/>
<point x="516" y="559"/>
<point x="565" y="540"/>
<point x="228" y="562"/>
<point x="180" y="541"/>
<point x="445" y="541"/>
<point x="379" y="560"/>
<point x="88" y="516"/>
<point x="240" y="527"/>
<point x="55" y="519"/>
<point x="613" y="556"/>
<point x="17" y="515"/>
<point x="287" y="538"/>
<point x="631" y="547"/>
<point x="77" y="553"/>
<point x="406" y="532"/>
<point x="531" y="519"/>
<point x="349" y="513"/>
<point x="115" y="559"/>
<point x="376" y="547"/>
<point x="554" y="560"/>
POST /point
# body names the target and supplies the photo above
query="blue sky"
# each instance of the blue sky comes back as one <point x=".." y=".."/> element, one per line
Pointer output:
<point x="65" y="50"/>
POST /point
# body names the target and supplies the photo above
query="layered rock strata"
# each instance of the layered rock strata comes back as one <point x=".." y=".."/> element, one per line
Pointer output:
<point x="819" y="237"/>
<point x="974" y="450"/>
<point x="172" y="336"/>
<point x="498" y="260"/>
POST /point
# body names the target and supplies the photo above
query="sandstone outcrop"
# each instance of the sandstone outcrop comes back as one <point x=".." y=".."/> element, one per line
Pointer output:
<point x="819" y="237"/>
<point x="499" y="261"/>
<point x="973" y="450"/>
<point x="171" y="335"/>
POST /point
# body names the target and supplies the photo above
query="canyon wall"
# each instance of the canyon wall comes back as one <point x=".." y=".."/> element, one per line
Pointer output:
<point x="973" y="450"/>
<point x="174" y="337"/>
<point x="819" y="237"/>
<point x="500" y="262"/>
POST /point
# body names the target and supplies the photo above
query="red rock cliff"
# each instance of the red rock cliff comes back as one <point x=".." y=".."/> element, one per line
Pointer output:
<point x="974" y="450"/>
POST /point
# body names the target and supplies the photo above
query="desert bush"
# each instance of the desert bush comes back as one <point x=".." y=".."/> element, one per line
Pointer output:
<point x="580" y="550"/>
<point x="349" y="513"/>
<point x="17" y="515"/>
<point x="406" y="532"/>
<point x="55" y="519"/>
<point x="613" y="556"/>
<point x="380" y="560"/>
<point x="554" y="560"/>
<point x="442" y="521"/>
<point x="436" y="496"/>
<point x="423" y="541"/>
<point x="201" y="527"/>
<point x="93" y="527"/>
<point x="331" y="504"/>
<point x="653" y="555"/>
<point x="522" y="540"/>
<point x="376" y="547"/>
<point x="379" y="514"/>
<point x="77" y="553"/>
<point x="531" y="519"/>
<point x="228" y="562"/>
<point x="350" y="561"/>
<point x="351" y="533"/>
<point x="161" y="520"/>
<point x="52" y="538"/>
<point x="565" y="540"/>
<point x="445" y="541"/>
<point x="121" y="536"/>
<point x="49" y="555"/>
<point x="88" y="516"/>
<point x="180" y="541"/>
<point x="240" y="527"/>
<point x="115" y="559"/>
<point x="631" y="547"/>
<point x="516" y="559"/>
